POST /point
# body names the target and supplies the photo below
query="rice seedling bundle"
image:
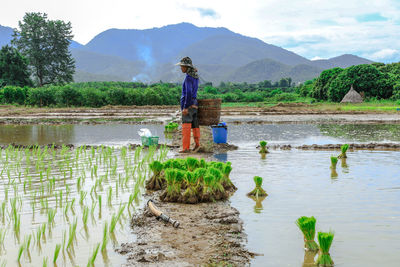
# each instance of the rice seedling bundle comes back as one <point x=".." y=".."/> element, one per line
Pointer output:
<point x="192" y="163"/>
<point x="263" y="146"/>
<point x="307" y="227"/>
<point x="157" y="181"/>
<point x="171" y="127"/>
<point x="216" y="184"/>
<point x="170" y="177"/>
<point x="343" y="148"/>
<point x="187" y="176"/>
<point x="208" y="192"/>
<point x="258" y="191"/>
<point x="226" y="181"/>
<point x="325" y="242"/>
<point x="191" y="194"/>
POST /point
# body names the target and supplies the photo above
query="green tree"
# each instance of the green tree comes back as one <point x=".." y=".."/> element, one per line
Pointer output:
<point x="364" y="78"/>
<point x="13" y="68"/>
<point x="320" y="89"/>
<point x="45" y="43"/>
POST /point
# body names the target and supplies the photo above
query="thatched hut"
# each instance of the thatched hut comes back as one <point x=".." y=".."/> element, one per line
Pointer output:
<point x="352" y="97"/>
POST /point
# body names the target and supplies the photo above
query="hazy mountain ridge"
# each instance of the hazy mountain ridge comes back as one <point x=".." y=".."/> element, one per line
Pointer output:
<point x="219" y="54"/>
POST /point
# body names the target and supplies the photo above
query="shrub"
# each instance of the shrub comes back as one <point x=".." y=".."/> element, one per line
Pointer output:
<point x="42" y="96"/>
<point x="68" y="96"/>
<point x="116" y="96"/>
<point x="93" y="97"/>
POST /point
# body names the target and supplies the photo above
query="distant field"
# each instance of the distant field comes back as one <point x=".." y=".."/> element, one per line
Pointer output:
<point x="382" y="106"/>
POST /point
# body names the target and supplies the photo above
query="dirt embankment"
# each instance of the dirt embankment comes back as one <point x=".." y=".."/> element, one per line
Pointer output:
<point x="367" y="146"/>
<point x="210" y="234"/>
<point x="281" y="113"/>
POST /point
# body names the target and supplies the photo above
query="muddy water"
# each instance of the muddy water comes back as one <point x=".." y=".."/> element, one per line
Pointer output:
<point x="108" y="134"/>
<point x="122" y="134"/>
<point x="360" y="204"/>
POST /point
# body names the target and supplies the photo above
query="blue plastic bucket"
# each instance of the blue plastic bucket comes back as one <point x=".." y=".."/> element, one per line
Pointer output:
<point x="220" y="133"/>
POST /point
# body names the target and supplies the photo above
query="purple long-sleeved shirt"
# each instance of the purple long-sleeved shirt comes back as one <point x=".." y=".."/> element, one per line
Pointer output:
<point x="189" y="92"/>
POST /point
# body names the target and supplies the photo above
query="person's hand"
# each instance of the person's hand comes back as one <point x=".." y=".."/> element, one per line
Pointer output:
<point x="185" y="112"/>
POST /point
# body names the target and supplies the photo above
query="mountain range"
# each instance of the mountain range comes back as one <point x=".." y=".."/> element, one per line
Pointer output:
<point x="218" y="53"/>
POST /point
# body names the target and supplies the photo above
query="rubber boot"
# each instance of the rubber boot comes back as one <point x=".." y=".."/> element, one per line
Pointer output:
<point x="186" y="127"/>
<point x="196" y="136"/>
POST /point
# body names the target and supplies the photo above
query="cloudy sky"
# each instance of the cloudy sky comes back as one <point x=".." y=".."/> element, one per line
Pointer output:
<point x="311" y="28"/>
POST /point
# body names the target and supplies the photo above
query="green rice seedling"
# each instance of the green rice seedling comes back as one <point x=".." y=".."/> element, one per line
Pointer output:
<point x="113" y="223"/>
<point x="94" y="255"/>
<point x="45" y="262"/>
<point x="179" y="164"/>
<point x="263" y="146"/>
<point x="56" y="252"/>
<point x="27" y="242"/>
<point x="192" y="164"/>
<point x="217" y="165"/>
<point x="82" y="197"/>
<point x="72" y="233"/>
<point x="334" y="161"/>
<point x="38" y="236"/>
<point x="3" y="233"/>
<point x="203" y="163"/>
<point x="21" y="249"/>
<point x="343" y="148"/>
<point x="199" y="174"/>
<point x="105" y="238"/>
<point x="191" y="194"/>
<point x="218" y="188"/>
<point x="131" y="198"/>
<point x="100" y="203"/>
<point x="307" y="227"/>
<point x="258" y="191"/>
<point x="157" y="181"/>
<point x="170" y="175"/>
<point x="85" y="214"/>
<point x="51" y="213"/>
<point x="226" y="181"/>
<point x="92" y="208"/>
<point x="168" y="164"/>
<point x="109" y="196"/>
<point x="208" y="192"/>
<point x="325" y="242"/>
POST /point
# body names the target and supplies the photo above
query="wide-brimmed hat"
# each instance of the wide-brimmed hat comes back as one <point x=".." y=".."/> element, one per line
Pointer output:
<point x="186" y="61"/>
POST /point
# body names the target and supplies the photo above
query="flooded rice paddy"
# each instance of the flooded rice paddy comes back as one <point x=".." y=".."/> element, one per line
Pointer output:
<point x="361" y="204"/>
<point x="70" y="207"/>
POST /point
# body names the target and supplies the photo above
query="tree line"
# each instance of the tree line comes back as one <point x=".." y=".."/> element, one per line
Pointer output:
<point x="97" y="94"/>
<point x="373" y="81"/>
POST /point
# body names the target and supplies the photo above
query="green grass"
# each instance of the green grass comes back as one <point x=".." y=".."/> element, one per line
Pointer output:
<point x="372" y="106"/>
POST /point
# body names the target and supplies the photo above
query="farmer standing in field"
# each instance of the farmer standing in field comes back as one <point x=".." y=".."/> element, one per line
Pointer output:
<point x="189" y="105"/>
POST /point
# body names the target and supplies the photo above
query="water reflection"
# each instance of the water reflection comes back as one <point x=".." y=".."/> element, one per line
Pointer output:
<point x="109" y="134"/>
<point x="221" y="157"/>
<point x="334" y="173"/>
<point x="36" y="134"/>
<point x="309" y="257"/>
<point x="344" y="165"/>
<point x="122" y="134"/>
<point x="362" y="132"/>
<point x="258" y="207"/>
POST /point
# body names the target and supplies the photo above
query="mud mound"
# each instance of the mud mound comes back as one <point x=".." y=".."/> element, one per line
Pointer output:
<point x="209" y="234"/>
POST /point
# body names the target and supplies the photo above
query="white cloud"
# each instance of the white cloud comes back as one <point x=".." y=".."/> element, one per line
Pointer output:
<point x="385" y="54"/>
<point x="308" y="27"/>
<point x="317" y="58"/>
